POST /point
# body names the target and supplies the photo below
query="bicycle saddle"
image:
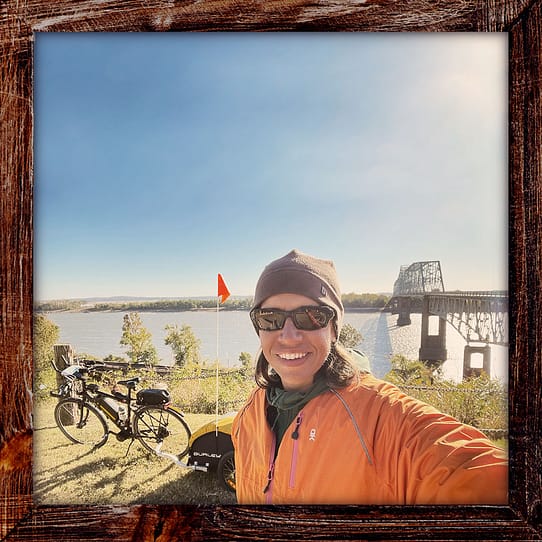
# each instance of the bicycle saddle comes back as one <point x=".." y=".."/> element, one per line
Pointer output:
<point x="130" y="383"/>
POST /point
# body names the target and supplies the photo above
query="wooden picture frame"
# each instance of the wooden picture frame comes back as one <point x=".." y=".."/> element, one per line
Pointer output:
<point x="521" y="519"/>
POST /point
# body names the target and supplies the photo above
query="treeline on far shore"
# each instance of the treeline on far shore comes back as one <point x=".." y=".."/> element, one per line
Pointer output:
<point x="350" y="301"/>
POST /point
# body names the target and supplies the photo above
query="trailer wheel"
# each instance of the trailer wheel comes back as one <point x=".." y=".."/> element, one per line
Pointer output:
<point x="226" y="471"/>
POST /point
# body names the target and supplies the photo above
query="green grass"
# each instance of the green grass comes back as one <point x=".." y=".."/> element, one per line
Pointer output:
<point x="67" y="473"/>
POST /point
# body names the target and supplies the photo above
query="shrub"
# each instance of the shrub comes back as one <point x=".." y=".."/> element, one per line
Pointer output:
<point x="350" y="336"/>
<point x="478" y="401"/>
<point x="45" y="335"/>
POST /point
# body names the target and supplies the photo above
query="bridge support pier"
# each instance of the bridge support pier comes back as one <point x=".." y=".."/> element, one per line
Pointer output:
<point x="432" y="347"/>
<point x="468" y="369"/>
<point x="404" y="305"/>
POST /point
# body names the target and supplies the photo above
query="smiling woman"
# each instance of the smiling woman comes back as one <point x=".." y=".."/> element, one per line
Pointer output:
<point x="292" y="354"/>
<point x="319" y="430"/>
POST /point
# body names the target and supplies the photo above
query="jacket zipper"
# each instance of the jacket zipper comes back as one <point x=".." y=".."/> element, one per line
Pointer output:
<point x="268" y="488"/>
<point x="295" y="437"/>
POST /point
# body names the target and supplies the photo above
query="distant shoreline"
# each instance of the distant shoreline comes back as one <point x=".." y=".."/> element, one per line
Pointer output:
<point x="154" y="309"/>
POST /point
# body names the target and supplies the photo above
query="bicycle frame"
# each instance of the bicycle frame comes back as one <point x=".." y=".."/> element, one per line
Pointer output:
<point x="91" y="393"/>
<point x="205" y="452"/>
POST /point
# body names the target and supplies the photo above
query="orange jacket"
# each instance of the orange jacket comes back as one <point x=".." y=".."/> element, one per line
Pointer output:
<point x="365" y="444"/>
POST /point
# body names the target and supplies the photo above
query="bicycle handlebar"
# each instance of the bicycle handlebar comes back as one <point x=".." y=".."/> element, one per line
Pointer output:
<point x="87" y="363"/>
<point x="77" y="371"/>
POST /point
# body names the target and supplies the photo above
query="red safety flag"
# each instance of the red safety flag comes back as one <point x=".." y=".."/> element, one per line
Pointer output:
<point x="223" y="291"/>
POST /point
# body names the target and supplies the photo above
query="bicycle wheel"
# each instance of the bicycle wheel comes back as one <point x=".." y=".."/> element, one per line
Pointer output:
<point x="226" y="471"/>
<point x="162" y="430"/>
<point x="81" y="422"/>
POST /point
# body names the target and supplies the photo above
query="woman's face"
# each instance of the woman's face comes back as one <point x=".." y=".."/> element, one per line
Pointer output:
<point x="296" y="355"/>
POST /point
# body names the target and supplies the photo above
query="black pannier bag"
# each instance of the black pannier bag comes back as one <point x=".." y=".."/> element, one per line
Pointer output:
<point x="153" y="397"/>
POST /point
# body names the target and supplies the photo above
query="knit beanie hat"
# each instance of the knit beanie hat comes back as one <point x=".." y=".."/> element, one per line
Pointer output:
<point x="299" y="273"/>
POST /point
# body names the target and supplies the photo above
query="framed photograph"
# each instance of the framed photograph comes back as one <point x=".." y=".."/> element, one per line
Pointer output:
<point x="22" y="518"/>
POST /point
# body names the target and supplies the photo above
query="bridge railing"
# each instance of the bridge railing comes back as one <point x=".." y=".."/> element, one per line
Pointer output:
<point x="470" y="293"/>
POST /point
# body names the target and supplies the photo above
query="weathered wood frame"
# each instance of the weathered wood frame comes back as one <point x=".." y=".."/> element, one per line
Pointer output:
<point x="21" y="520"/>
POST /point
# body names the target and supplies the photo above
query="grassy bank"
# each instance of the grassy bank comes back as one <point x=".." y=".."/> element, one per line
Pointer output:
<point x="67" y="473"/>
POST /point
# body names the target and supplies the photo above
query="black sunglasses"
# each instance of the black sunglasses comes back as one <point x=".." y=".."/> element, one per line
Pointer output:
<point x="305" y="318"/>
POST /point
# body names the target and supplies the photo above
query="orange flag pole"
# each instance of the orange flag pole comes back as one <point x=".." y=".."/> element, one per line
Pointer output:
<point x="223" y="294"/>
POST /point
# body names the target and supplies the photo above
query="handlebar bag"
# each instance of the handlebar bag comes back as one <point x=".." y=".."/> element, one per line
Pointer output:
<point x="153" y="397"/>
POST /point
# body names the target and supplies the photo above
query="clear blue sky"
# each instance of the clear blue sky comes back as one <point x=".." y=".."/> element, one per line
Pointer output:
<point x="164" y="159"/>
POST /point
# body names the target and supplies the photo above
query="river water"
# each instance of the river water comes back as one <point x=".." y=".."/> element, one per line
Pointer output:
<point x="225" y="337"/>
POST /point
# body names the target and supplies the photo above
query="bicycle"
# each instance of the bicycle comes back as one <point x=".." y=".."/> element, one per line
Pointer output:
<point x="83" y="412"/>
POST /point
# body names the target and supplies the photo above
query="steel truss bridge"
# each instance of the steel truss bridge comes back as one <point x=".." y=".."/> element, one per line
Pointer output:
<point x="419" y="279"/>
<point x="479" y="316"/>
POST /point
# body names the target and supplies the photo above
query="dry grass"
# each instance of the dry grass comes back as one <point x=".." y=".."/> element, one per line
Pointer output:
<point x="67" y="473"/>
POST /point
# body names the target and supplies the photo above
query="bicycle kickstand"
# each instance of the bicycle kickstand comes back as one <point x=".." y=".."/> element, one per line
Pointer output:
<point x="129" y="446"/>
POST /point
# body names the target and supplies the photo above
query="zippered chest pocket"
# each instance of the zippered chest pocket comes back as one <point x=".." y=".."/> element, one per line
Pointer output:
<point x="295" y="450"/>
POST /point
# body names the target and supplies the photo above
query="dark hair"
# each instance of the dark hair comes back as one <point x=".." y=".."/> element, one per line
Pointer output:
<point x="338" y="369"/>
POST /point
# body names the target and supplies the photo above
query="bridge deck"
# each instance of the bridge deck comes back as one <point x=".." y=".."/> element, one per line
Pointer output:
<point x="480" y="316"/>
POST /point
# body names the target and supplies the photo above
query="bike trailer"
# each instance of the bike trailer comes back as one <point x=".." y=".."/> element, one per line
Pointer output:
<point x="210" y="442"/>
